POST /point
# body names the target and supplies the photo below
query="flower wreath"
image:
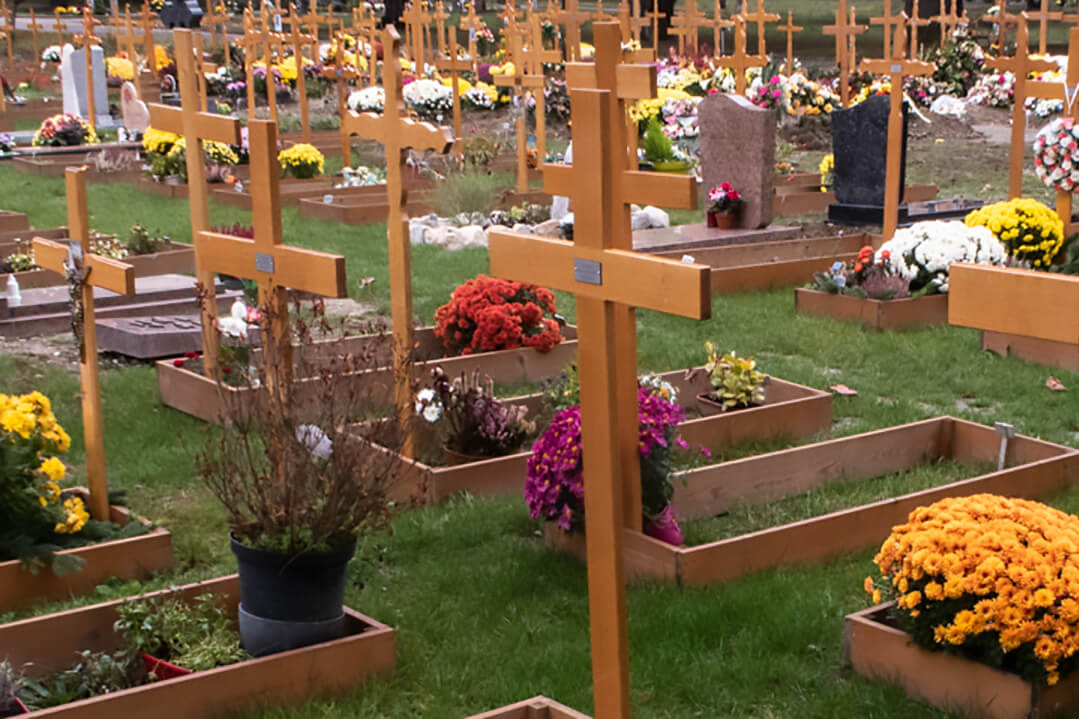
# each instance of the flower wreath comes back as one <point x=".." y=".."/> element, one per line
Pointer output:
<point x="1056" y="155"/>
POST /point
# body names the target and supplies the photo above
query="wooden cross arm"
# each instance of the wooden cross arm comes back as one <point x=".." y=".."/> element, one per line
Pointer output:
<point x="632" y="82"/>
<point x="651" y="188"/>
<point x="305" y="270"/>
<point x="895" y="67"/>
<point x="103" y="272"/>
<point x="519" y="80"/>
<point x="613" y="275"/>
<point x="1024" y="65"/>
<point x="417" y="135"/>
<point x="1043" y="90"/>
<point x="221" y="128"/>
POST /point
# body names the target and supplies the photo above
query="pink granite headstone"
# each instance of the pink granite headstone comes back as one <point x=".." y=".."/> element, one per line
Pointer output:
<point x="738" y="145"/>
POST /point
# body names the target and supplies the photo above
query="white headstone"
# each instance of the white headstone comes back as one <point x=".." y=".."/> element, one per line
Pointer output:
<point x="73" y="81"/>
<point x="136" y="115"/>
<point x="560" y="205"/>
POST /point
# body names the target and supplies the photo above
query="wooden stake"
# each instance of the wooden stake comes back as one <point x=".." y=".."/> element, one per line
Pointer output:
<point x="298" y="41"/>
<point x="97" y="271"/>
<point x="33" y="27"/>
<point x="454" y="64"/>
<point x="790" y="28"/>
<point x="844" y="31"/>
<point x="397" y="133"/>
<point x="88" y="41"/>
<point x="339" y="72"/>
<point x="888" y="23"/>
<point x="520" y="80"/>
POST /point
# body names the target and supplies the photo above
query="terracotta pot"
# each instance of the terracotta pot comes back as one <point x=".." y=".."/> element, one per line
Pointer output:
<point x="708" y="407"/>
<point x="724" y="220"/>
<point x="665" y="528"/>
<point x="455" y="458"/>
<point x="160" y="669"/>
<point x="14" y="710"/>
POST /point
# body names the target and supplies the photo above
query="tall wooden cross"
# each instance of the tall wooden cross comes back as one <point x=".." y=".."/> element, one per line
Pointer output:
<point x="739" y="61"/>
<point x="896" y="69"/>
<point x="521" y="81"/>
<point x="269" y="39"/>
<point x="299" y="41"/>
<point x="125" y="37"/>
<point x="624" y="83"/>
<point x="149" y="47"/>
<point x="534" y="57"/>
<point x="88" y="41"/>
<point x="1044" y="16"/>
<point x="1068" y="91"/>
<point x="1002" y="19"/>
<point x="719" y="24"/>
<point x="790" y="28"/>
<point x="455" y="64"/>
<point x="440" y="16"/>
<point x="609" y="282"/>
<point x="340" y="73"/>
<point x="7" y="25"/>
<point x="85" y="271"/>
<point x="948" y="21"/>
<point x="397" y="133"/>
<point x="417" y="20"/>
<point x="844" y="30"/>
<point x="571" y="16"/>
<point x="59" y="26"/>
<point x="211" y="19"/>
<point x="474" y="24"/>
<point x="601" y="15"/>
<point x="1021" y="65"/>
<point x="761" y="19"/>
<point x="888" y="23"/>
<point x="915" y="21"/>
<point x="33" y="26"/>
<point x="195" y="127"/>
<point x="312" y="20"/>
<point x="686" y="26"/>
<point x="250" y="41"/>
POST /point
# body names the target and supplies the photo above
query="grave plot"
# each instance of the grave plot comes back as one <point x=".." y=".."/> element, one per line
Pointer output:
<point x="360" y="205"/>
<point x="789" y="411"/>
<point x="1032" y="468"/>
<point x="800" y="194"/>
<point x="173" y="188"/>
<point x="177" y="259"/>
<point x="907" y="313"/>
<point x="998" y="301"/>
<point x="293" y="191"/>
<point x="534" y="708"/>
<point x="368" y="649"/>
<point x="150" y="337"/>
<point x="29" y="111"/>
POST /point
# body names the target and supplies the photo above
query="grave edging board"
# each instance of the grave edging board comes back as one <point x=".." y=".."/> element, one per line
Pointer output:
<point x="907" y="313"/>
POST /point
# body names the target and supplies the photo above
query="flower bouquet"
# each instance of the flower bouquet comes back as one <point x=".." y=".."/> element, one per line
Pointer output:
<point x="486" y="314"/>
<point x="64" y="130"/>
<point x="1030" y="232"/>
<point x="922" y="253"/>
<point x="864" y="277"/>
<point x="1056" y="155"/>
<point x="302" y="161"/>
<point x="724" y="202"/>
<point x="429" y="99"/>
<point x="369" y="99"/>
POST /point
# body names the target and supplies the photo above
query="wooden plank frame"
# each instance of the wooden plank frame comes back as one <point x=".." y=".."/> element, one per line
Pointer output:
<point x="902" y="314"/>
<point x="195" y="394"/>
<point x="877" y="650"/>
<point x="1036" y="468"/>
<point x="131" y="558"/>
<point x="13" y="221"/>
<point x="539" y="707"/>
<point x="790" y="410"/>
<point x="352" y="208"/>
<point x="368" y="649"/>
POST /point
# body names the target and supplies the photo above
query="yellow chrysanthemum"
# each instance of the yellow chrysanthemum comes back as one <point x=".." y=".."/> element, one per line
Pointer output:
<point x="75" y="517"/>
<point x="53" y="468"/>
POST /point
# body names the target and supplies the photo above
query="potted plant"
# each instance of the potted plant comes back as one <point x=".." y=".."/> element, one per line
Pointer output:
<point x="475" y="425"/>
<point x="301" y="161"/>
<point x="661" y="152"/>
<point x="10" y="683"/>
<point x="736" y="383"/>
<point x="485" y="314"/>
<point x="298" y="492"/>
<point x="724" y="204"/>
<point x="554" y="489"/>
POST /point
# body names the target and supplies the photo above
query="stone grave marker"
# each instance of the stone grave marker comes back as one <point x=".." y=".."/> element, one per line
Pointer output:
<point x="859" y="140"/>
<point x="73" y="80"/>
<point x="150" y="337"/>
<point x="738" y="145"/>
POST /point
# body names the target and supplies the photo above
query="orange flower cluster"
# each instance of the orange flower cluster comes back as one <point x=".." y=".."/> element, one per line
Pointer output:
<point x="486" y="314"/>
<point x="992" y="578"/>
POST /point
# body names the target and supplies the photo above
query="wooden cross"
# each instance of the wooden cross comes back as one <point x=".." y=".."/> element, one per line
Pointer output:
<point x="948" y="21"/>
<point x="473" y="23"/>
<point x="312" y="20"/>
<point x="397" y="132"/>
<point x="534" y="57"/>
<point x="600" y="15"/>
<point x="59" y="27"/>
<point x="761" y="18"/>
<point x="33" y="26"/>
<point x="125" y="33"/>
<point x="298" y="41"/>
<point x="719" y="24"/>
<point x="269" y="40"/>
<point x="146" y="22"/>
<point x="1068" y="91"/>
<point x="340" y="72"/>
<point x="88" y="41"/>
<point x="454" y="64"/>
<point x="630" y="22"/>
<point x="844" y="30"/>
<point x="888" y="21"/>
<point x="416" y="22"/>
<point x="1002" y="19"/>
<point x="624" y="83"/>
<point x="685" y="25"/>
<point x="1044" y="16"/>
<point x="571" y="16"/>
<point x="1021" y="65"/>
<point x="195" y="127"/>
<point x="520" y="81"/>
<point x="250" y="41"/>
<point x="739" y="61"/>
<point x="654" y="16"/>
<point x="915" y="21"/>
<point x="790" y="28"/>
<point x="7" y="25"/>
<point x="440" y="16"/>
<point x="609" y="282"/>
<point x="74" y="260"/>
<point x="895" y="69"/>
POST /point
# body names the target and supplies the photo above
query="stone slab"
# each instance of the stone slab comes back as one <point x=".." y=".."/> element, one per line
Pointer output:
<point x="150" y="337"/>
<point x="738" y="145"/>
<point x="908" y="214"/>
<point x="687" y="237"/>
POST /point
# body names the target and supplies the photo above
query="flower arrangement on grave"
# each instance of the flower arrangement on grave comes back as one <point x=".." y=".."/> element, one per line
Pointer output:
<point x="369" y="99"/>
<point x="992" y="579"/>
<point x="486" y="314"/>
<point x="1031" y="233"/>
<point x="958" y="67"/>
<point x="158" y="142"/>
<point x="809" y="97"/>
<point x="771" y="94"/>
<point x="64" y="130"/>
<point x="922" y="253"/>
<point x="482" y="96"/>
<point x="736" y="382"/>
<point x="7" y="142"/>
<point x="1056" y="155"/>
<point x="474" y="424"/>
<point x="554" y="489"/>
<point x="120" y="68"/>
<point x="724" y="203"/>
<point x="826" y="168"/>
<point x="429" y="99"/>
<point x="865" y="276"/>
<point x="302" y="161"/>
<point x="994" y="90"/>
<point x="51" y="54"/>
<point x="661" y="152"/>
<point x="217" y="155"/>
<point x="37" y="517"/>
<point x="161" y="58"/>
<point x="361" y="176"/>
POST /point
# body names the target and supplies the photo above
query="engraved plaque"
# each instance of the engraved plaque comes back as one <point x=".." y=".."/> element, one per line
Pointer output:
<point x="263" y="262"/>
<point x="588" y="271"/>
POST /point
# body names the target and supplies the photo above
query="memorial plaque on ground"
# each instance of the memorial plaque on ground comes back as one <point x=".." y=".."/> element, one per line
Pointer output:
<point x="860" y="143"/>
<point x="150" y="337"/>
<point x="738" y="145"/>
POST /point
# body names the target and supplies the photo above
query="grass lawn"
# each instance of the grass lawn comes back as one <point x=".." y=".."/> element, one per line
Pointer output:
<point x="485" y="614"/>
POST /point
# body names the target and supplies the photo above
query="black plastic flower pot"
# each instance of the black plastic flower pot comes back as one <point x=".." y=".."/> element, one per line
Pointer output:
<point x="290" y="601"/>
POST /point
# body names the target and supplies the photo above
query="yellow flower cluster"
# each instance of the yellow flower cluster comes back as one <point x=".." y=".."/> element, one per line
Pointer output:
<point x="25" y="414"/>
<point x="75" y="517"/>
<point x="213" y="150"/>
<point x="642" y="110"/>
<point x="287" y="69"/>
<point x="120" y="67"/>
<point x="875" y="88"/>
<point x="161" y="57"/>
<point x="1029" y="231"/>
<point x="826" y="168"/>
<point x="967" y="567"/>
<point x="301" y="160"/>
<point x="158" y="142"/>
<point x="463" y="85"/>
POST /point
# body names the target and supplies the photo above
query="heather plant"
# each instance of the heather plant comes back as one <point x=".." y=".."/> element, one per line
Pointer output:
<point x="141" y="242"/>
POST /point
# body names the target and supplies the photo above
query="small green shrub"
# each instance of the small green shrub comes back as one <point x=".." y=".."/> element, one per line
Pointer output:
<point x="469" y="192"/>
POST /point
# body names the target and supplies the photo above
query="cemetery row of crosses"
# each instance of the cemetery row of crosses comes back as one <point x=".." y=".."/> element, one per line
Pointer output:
<point x="459" y="360"/>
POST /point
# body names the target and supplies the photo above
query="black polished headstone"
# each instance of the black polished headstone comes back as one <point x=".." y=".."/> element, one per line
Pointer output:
<point x="860" y="147"/>
<point x="181" y="13"/>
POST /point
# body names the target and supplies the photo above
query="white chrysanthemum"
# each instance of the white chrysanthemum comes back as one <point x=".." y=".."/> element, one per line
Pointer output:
<point x="930" y="248"/>
<point x="369" y="99"/>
